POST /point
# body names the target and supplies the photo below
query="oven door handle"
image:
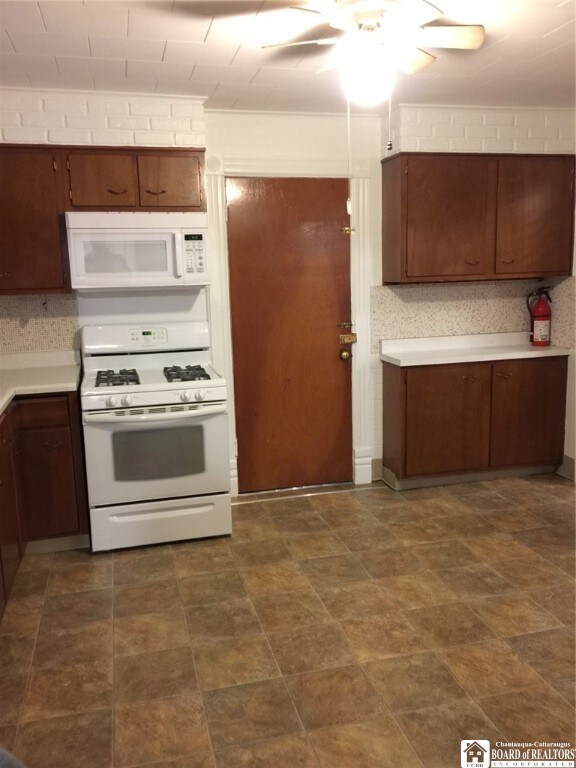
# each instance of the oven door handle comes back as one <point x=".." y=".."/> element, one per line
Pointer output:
<point x="144" y="418"/>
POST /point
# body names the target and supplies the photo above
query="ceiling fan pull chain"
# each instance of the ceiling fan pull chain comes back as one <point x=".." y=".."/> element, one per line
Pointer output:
<point x="349" y="201"/>
<point x="389" y="144"/>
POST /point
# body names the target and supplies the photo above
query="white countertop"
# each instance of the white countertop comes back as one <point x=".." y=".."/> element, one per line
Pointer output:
<point x="37" y="373"/>
<point x="438" y="350"/>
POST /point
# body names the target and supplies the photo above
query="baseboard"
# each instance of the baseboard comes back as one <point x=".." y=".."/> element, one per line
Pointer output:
<point x="567" y="468"/>
<point x="376" y="469"/>
<point x="465" y="477"/>
<point x="58" y="544"/>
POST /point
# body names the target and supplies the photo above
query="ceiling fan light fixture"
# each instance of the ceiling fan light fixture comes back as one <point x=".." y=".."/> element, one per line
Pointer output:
<point x="367" y="72"/>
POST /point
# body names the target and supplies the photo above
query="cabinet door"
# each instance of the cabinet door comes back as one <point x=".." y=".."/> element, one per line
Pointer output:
<point x="450" y="215"/>
<point x="447" y="418"/>
<point x="102" y="180"/>
<point x="30" y="242"/>
<point x="46" y="482"/>
<point x="528" y="411"/>
<point x="535" y="215"/>
<point x="170" y="181"/>
<point x="10" y="545"/>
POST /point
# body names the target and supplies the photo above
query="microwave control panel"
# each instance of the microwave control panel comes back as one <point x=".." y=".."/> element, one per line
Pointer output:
<point x="195" y="253"/>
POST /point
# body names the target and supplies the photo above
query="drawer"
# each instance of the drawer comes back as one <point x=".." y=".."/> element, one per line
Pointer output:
<point x="43" y="412"/>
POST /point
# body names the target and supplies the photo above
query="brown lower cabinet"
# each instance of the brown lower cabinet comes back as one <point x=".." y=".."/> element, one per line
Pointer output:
<point x="11" y="544"/>
<point x="467" y="417"/>
<point x="49" y="466"/>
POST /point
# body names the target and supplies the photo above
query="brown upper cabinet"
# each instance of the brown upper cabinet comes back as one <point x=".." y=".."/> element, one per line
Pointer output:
<point x="33" y="256"/>
<point x="136" y="180"/>
<point x="38" y="184"/>
<point x="450" y="217"/>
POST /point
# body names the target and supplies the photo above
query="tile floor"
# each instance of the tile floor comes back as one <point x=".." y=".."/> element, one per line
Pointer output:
<point x="352" y="629"/>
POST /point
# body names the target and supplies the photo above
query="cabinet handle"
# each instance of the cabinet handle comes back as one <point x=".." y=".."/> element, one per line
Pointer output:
<point x="472" y="263"/>
<point x="52" y="447"/>
<point x="507" y="261"/>
<point x="469" y="378"/>
<point x="504" y="375"/>
<point x="150" y="192"/>
<point x="115" y="192"/>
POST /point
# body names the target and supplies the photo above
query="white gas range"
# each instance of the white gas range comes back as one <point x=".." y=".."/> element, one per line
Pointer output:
<point x="155" y="422"/>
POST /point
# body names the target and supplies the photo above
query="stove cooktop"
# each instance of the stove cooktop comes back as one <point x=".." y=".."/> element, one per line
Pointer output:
<point x="123" y="377"/>
<point x="186" y="373"/>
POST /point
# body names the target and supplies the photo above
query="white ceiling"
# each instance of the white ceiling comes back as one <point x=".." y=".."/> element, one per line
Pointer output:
<point x="212" y="50"/>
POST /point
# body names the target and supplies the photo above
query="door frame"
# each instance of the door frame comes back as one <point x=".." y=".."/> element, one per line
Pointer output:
<point x="218" y="169"/>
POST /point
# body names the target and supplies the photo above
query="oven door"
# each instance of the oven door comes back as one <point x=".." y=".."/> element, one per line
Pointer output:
<point x="156" y="453"/>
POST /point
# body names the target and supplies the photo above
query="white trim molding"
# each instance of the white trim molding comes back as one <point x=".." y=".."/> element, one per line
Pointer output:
<point x="218" y="169"/>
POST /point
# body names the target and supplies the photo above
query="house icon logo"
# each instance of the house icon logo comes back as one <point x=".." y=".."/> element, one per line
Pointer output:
<point x="475" y="754"/>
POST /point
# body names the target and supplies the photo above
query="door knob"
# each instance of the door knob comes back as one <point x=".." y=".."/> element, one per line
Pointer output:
<point x="345" y="354"/>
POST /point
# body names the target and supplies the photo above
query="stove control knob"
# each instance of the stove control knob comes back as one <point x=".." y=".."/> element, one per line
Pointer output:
<point x="127" y="400"/>
<point x="200" y="395"/>
<point x="185" y="397"/>
<point x="111" y="402"/>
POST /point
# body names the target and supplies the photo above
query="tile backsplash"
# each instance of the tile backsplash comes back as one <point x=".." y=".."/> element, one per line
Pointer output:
<point x="447" y="309"/>
<point x="39" y="323"/>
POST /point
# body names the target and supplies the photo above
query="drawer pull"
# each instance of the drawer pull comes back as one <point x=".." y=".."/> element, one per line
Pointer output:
<point x="115" y="192"/>
<point x="507" y="261"/>
<point x="472" y="263"/>
<point x="151" y="192"/>
<point x="504" y="375"/>
<point x="469" y="378"/>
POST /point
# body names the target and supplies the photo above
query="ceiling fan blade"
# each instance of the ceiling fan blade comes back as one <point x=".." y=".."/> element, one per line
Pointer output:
<point x="414" y="61"/>
<point x="469" y="37"/>
<point x="320" y="41"/>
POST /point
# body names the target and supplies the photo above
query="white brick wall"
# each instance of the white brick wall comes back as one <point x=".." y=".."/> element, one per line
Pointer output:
<point x="43" y="117"/>
<point x="480" y="129"/>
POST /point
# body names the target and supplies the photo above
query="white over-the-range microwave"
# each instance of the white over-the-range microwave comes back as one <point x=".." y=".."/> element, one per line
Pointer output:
<point x="110" y="250"/>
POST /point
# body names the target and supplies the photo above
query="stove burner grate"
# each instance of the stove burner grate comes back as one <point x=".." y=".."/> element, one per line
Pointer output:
<point x="110" y="378"/>
<point x="189" y="373"/>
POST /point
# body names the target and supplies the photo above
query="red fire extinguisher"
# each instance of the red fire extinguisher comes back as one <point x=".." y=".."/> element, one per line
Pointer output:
<point x="538" y="303"/>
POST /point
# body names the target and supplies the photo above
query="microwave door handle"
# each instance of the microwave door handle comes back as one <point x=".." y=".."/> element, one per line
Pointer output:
<point x="178" y="254"/>
<point x="109" y="418"/>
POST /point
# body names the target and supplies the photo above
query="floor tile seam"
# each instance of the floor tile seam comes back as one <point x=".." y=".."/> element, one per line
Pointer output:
<point x="125" y="705"/>
<point x="502" y="636"/>
<point x="262" y="742"/>
<point x="31" y="666"/>
<point x="470" y="701"/>
<point x="335" y="623"/>
<point x="407" y="740"/>
<point x="470" y="596"/>
<point x="472" y="606"/>
<point x="301" y="731"/>
<point x="385" y="710"/>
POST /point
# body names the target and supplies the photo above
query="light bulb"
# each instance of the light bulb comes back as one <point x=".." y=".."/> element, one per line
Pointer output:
<point x="366" y="70"/>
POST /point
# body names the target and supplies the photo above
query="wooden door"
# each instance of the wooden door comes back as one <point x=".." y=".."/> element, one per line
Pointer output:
<point x="528" y="410"/>
<point x="102" y="180"/>
<point x="535" y="215"/>
<point x="447" y="418"/>
<point x="170" y="181"/>
<point x="450" y="215"/>
<point x="30" y="242"/>
<point x="289" y="289"/>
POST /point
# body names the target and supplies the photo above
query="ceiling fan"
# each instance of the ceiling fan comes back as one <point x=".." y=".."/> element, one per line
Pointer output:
<point x="400" y="30"/>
